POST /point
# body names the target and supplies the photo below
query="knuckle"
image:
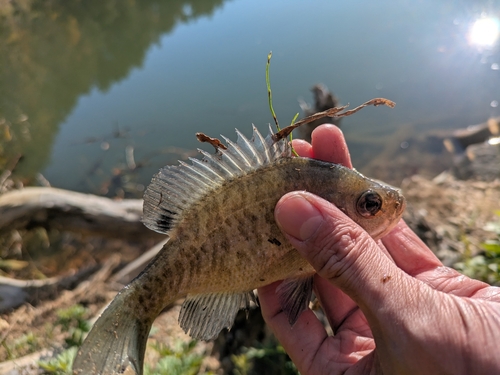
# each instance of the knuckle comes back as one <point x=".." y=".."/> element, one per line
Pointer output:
<point x="335" y="251"/>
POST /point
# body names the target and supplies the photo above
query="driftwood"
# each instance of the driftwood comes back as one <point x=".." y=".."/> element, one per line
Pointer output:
<point x="71" y="211"/>
<point x="94" y="283"/>
<point x="14" y="293"/>
<point x="323" y="100"/>
<point x="76" y="212"/>
<point x="19" y="365"/>
<point x="480" y="162"/>
<point x="456" y="141"/>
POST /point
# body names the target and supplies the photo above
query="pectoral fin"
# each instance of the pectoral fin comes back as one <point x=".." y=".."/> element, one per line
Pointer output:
<point x="203" y="316"/>
<point x="294" y="296"/>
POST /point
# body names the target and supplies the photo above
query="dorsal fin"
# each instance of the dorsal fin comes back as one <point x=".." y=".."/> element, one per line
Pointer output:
<point x="175" y="188"/>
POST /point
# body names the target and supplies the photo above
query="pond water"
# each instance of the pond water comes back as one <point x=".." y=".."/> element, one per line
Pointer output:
<point x="90" y="90"/>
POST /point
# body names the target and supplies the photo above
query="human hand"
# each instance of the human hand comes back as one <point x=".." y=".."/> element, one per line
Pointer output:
<point x="393" y="307"/>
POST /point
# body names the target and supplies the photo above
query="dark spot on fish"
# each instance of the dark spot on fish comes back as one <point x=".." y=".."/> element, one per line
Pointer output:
<point x="262" y="279"/>
<point x="274" y="241"/>
<point x="224" y="244"/>
<point x="141" y="300"/>
<point x="301" y="269"/>
<point x="242" y="229"/>
<point x="192" y="263"/>
<point x="165" y="220"/>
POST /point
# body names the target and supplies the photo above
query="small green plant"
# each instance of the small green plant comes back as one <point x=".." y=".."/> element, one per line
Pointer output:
<point x="485" y="266"/>
<point x="179" y="359"/>
<point x="270" y="358"/>
<point x="72" y="321"/>
<point x="27" y="343"/>
<point x="60" y="365"/>
<point x="270" y="101"/>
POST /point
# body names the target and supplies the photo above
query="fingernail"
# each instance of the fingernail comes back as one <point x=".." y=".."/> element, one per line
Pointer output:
<point x="298" y="217"/>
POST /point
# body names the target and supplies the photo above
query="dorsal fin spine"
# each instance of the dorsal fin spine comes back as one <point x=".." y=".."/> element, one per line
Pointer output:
<point x="229" y="159"/>
<point x="235" y="151"/>
<point x="260" y="144"/>
<point x="217" y="163"/>
<point x="206" y="168"/>
<point x="195" y="174"/>
<point x="248" y="147"/>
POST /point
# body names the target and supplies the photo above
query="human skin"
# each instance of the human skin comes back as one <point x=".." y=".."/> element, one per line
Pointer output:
<point x="393" y="307"/>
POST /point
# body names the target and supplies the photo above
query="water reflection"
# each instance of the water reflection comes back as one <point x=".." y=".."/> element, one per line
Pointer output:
<point x="52" y="52"/>
<point x="118" y="79"/>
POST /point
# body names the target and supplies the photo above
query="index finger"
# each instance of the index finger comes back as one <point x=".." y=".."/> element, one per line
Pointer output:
<point x="328" y="144"/>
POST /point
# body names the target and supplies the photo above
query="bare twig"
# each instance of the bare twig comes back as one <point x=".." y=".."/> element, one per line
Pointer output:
<point x="213" y="141"/>
<point x="332" y="112"/>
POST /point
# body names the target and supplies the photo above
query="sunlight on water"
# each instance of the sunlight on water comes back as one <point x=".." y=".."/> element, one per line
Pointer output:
<point x="485" y="32"/>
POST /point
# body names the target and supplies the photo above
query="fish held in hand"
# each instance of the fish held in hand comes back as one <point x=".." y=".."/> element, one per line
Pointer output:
<point x="218" y="213"/>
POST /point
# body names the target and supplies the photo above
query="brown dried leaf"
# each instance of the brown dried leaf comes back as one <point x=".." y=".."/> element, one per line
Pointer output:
<point x="213" y="141"/>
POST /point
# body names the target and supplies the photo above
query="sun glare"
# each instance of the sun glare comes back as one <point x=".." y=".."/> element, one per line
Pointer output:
<point x="485" y="32"/>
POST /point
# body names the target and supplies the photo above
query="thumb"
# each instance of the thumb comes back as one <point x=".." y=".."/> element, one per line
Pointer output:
<point x="339" y="249"/>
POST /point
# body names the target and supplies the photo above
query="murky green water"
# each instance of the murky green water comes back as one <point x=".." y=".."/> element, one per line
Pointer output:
<point x="84" y="84"/>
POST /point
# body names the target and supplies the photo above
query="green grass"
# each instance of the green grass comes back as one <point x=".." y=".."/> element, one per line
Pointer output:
<point x="178" y="359"/>
<point x="72" y="321"/>
<point x="269" y="359"/>
<point x="486" y="265"/>
<point x="60" y="365"/>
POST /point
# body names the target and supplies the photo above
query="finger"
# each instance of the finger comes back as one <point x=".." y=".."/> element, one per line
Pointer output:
<point x="329" y="144"/>
<point x="409" y="251"/>
<point x="416" y="259"/>
<point x="337" y="305"/>
<point x="307" y="342"/>
<point x="302" y="340"/>
<point x="341" y="251"/>
<point x="302" y="148"/>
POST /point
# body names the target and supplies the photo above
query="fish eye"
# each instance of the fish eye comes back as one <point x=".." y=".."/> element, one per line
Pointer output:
<point x="369" y="204"/>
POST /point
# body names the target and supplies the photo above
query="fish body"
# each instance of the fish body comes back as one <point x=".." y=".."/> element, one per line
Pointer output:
<point x="223" y="243"/>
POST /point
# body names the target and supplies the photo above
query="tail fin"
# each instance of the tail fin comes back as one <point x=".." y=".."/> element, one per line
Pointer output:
<point x="116" y="343"/>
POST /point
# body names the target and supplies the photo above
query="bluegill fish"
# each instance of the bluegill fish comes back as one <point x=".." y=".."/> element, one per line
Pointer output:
<point x="218" y="213"/>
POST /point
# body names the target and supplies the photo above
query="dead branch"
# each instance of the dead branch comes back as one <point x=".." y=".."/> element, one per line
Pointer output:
<point x="332" y="112"/>
<point x="15" y="292"/>
<point x="71" y="211"/>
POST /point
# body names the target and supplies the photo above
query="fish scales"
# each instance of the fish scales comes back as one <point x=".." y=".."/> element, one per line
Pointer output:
<point x="223" y="243"/>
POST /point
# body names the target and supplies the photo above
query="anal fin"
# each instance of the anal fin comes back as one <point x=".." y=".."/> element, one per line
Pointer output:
<point x="294" y="296"/>
<point x="203" y="316"/>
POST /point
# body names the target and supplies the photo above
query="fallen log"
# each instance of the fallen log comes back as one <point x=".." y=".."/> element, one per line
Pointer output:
<point x="75" y="212"/>
<point x="14" y="293"/>
<point x="458" y="140"/>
